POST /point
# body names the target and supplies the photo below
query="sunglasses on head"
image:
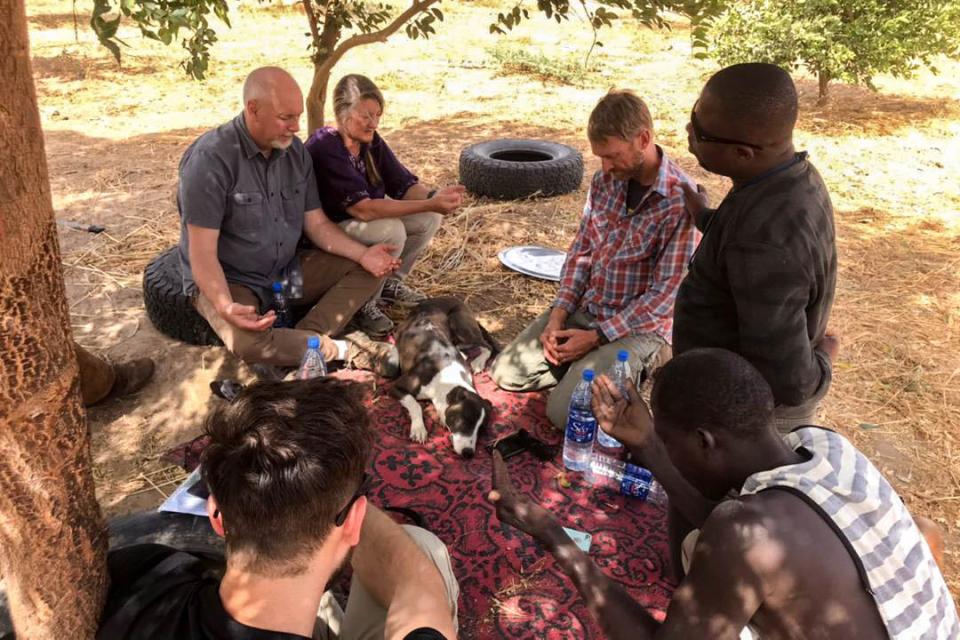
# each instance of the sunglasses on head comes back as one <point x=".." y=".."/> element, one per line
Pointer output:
<point x="703" y="136"/>
<point x="341" y="516"/>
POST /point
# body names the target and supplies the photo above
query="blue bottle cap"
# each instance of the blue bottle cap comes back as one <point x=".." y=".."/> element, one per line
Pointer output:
<point x="277" y="287"/>
<point x="588" y="375"/>
<point x="623" y="355"/>
<point x="313" y="342"/>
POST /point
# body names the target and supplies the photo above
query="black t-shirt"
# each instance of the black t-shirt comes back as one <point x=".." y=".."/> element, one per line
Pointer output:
<point x="159" y="592"/>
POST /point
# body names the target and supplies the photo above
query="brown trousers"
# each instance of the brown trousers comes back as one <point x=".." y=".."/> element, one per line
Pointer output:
<point x="335" y="287"/>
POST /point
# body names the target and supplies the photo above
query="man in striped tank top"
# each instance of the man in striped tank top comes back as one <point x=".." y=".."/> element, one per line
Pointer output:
<point x="816" y="544"/>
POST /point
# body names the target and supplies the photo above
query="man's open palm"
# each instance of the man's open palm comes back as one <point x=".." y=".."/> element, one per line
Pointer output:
<point x="245" y="316"/>
<point x="626" y="419"/>
<point x="379" y="261"/>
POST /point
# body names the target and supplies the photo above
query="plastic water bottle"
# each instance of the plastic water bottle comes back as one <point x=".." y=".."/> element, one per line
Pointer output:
<point x="281" y="308"/>
<point x="313" y="365"/>
<point x="581" y="427"/>
<point x="624" y="478"/>
<point x="619" y="374"/>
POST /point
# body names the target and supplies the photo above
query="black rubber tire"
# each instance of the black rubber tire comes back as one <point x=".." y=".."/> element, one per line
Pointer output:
<point x="513" y="169"/>
<point x="170" y="311"/>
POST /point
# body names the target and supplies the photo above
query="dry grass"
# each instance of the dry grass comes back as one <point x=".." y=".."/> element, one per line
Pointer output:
<point x="114" y="137"/>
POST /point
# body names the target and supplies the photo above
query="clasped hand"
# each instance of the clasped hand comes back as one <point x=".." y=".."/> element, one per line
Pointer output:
<point x="561" y="346"/>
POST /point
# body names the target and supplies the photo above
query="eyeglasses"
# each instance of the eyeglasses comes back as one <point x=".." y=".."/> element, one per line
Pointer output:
<point x="361" y="491"/>
<point x="703" y="136"/>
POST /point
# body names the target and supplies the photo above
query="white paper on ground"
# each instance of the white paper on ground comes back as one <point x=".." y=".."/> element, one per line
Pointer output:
<point x="580" y="538"/>
<point x="531" y="260"/>
<point x="190" y="497"/>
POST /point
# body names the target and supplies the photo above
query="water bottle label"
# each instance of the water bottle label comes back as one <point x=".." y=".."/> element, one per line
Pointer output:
<point x="581" y="427"/>
<point x="636" y="482"/>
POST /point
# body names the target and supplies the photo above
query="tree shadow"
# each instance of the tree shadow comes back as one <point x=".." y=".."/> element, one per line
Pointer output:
<point x="855" y="110"/>
<point x="72" y="66"/>
<point x="58" y="20"/>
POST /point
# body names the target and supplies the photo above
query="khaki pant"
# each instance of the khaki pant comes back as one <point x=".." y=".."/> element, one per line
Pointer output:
<point x="96" y="376"/>
<point x="411" y="234"/>
<point x="521" y="366"/>
<point x="364" y="618"/>
<point x="786" y="419"/>
<point x="335" y="286"/>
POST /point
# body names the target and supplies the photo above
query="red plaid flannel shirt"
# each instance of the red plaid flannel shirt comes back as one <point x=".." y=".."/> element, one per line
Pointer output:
<point x="624" y="268"/>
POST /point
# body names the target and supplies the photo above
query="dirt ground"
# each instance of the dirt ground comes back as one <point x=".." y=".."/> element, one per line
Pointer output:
<point x="891" y="159"/>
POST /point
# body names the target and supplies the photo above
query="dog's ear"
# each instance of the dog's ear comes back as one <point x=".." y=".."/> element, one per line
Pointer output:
<point x="456" y="395"/>
<point x="489" y="408"/>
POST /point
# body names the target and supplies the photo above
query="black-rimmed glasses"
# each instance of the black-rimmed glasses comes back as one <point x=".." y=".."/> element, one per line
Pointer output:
<point x="361" y="491"/>
<point x="703" y="136"/>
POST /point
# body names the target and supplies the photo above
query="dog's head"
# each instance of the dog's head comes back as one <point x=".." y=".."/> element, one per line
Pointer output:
<point x="466" y="413"/>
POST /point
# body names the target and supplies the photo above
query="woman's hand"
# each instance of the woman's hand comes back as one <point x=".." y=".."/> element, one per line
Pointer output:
<point x="448" y="199"/>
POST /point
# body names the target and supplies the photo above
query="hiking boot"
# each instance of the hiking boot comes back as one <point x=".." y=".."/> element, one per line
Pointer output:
<point x="130" y="377"/>
<point x="365" y="353"/>
<point x="397" y="292"/>
<point x="372" y="320"/>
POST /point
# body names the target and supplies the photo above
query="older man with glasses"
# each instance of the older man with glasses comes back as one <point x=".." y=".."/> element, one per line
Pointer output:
<point x="762" y="282"/>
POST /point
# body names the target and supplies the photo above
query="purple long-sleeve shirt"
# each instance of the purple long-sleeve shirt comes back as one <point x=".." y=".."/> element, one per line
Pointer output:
<point x="342" y="177"/>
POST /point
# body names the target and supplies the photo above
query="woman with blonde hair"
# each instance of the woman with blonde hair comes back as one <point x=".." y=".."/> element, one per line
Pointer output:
<point x="371" y="195"/>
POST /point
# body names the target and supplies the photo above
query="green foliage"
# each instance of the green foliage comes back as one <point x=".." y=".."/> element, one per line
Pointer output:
<point x="649" y="13"/>
<point x="850" y="40"/>
<point x="331" y="21"/>
<point x="162" y="20"/>
<point x="555" y="68"/>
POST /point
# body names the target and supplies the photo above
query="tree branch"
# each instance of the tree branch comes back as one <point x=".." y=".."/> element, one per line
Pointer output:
<point x="312" y="19"/>
<point x="376" y="36"/>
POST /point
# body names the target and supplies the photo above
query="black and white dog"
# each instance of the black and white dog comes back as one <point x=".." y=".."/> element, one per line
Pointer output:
<point x="433" y="367"/>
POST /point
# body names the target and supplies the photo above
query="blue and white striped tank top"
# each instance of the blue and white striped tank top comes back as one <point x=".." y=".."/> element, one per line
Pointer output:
<point x="893" y="558"/>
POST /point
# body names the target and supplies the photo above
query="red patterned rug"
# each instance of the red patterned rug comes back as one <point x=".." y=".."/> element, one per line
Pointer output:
<point x="510" y="588"/>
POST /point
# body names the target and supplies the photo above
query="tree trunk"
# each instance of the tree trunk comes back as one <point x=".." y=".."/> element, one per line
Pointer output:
<point x="323" y="61"/>
<point x="52" y="539"/>
<point x="317" y="96"/>
<point x="823" y="77"/>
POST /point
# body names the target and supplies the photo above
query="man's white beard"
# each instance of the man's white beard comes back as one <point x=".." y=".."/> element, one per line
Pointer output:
<point x="279" y="143"/>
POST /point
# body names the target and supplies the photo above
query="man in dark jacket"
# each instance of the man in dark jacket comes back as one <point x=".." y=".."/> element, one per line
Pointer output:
<point x="762" y="282"/>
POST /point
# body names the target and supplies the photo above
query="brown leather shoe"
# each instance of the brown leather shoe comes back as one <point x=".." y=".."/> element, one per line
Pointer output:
<point x="365" y="353"/>
<point x="131" y="376"/>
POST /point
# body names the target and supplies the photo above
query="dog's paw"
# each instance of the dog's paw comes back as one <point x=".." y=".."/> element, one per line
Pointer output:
<point x="478" y="364"/>
<point x="418" y="433"/>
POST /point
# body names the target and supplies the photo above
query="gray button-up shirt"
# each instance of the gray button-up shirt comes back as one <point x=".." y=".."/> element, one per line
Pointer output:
<point x="257" y="203"/>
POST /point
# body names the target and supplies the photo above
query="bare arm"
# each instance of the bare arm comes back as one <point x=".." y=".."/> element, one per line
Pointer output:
<point x="613" y="608"/>
<point x="400" y="576"/>
<point x="328" y="236"/>
<point x="619" y="615"/>
<point x="629" y="421"/>
<point x="208" y="274"/>
<point x="727" y="581"/>
<point x="415" y="200"/>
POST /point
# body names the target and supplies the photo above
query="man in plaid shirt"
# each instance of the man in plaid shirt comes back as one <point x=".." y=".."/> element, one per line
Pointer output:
<point x="622" y="272"/>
